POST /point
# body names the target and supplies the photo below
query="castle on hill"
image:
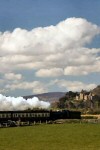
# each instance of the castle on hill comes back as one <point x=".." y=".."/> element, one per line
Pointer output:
<point x="84" y="95"/>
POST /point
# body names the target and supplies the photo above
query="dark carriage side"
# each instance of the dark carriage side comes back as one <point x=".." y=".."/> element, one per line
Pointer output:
<point x="24" y="116"/>
<point x="37" y="115"/>
<point x="65" y="114"/>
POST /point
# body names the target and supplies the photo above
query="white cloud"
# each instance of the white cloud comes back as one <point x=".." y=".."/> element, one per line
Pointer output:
<point x="36" y="87"/>
<point x="52" y="51"/>
<point x="49" y="72"/>
<point x="3" y="91"/>
<point x="73" y="70"/>
<point x="60" y="46"/>
<point x="13" y="76"/>
<point x="83" y="70"/>
<point x="73" y="85"/>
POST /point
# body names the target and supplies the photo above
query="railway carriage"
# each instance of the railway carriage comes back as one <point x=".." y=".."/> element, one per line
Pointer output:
<point x="37" y="115"/>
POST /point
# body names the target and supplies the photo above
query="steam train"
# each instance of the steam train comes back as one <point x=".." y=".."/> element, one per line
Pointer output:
<point x="37" y="115"/>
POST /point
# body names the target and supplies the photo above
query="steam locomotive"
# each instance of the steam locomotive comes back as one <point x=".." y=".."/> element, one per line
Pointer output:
<point x="37" y="115"/>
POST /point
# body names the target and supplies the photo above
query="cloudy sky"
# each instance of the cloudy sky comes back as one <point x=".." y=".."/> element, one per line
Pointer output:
<point x="49" y="45"/>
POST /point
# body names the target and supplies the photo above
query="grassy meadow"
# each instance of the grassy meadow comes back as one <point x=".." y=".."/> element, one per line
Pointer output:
<point x="51" y="137"/>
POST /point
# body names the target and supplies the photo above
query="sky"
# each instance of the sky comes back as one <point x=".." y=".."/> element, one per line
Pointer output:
<point x="49" y="46"/>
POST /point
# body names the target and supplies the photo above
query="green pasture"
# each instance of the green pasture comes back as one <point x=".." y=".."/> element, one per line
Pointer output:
<point x="73" y="136"/>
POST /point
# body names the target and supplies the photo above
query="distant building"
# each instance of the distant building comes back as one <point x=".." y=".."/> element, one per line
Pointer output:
<point x="84" y="95"/>
<point x="77" y="97"/>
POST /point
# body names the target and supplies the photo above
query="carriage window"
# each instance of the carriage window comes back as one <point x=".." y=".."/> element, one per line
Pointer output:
<point x="22" y="115"/>
<point x="16" y="115"/>
<point x="33" y="115"/>
<point x="43" y="114"/>
<point x="47" y="115"/>
<point x="3" y="116"/>
<point x="30" y="115"/>
<point x="7" y="116"/>
<point x="26" y="115"/>
<point x="40" y="114"/>
<point x="37" y="115"/>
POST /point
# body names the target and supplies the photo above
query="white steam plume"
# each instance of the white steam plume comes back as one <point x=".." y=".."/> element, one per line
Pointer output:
<point x="19" y="103"/>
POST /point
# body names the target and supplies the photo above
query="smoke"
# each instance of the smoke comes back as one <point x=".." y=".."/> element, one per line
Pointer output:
<point x="19" y="103"/>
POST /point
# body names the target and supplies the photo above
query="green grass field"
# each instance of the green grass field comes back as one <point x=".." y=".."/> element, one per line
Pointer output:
<point x="51" y="137"/>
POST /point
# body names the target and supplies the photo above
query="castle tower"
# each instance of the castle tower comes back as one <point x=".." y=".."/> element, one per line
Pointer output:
<point x="82" y="95"/>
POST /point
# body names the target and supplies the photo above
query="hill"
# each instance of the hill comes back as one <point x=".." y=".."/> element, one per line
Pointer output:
<point x="96" y="91"/>
<point x="50" y="97"/>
